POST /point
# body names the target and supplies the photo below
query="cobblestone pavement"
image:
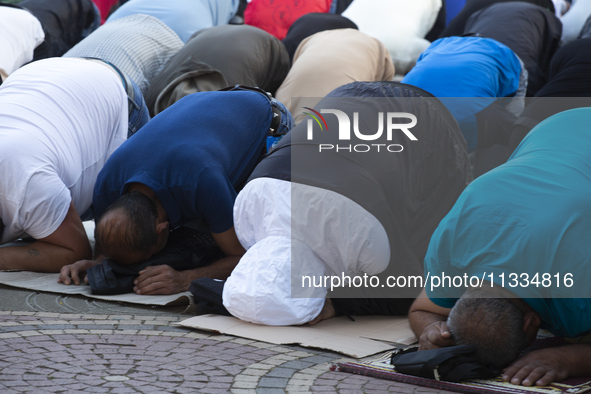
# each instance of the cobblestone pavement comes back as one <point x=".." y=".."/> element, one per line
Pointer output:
<point x="43" y="352"/>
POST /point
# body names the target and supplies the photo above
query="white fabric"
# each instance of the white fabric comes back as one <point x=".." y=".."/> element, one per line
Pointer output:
<point x="327" y="233"/>
<point x="574" y="20"/>
<point x="20" y="34"/>
<point x="60" y="120"/>
<point x="400" y="24"/>
<point x="560" y="7"/>
<point x="259" y="289"/>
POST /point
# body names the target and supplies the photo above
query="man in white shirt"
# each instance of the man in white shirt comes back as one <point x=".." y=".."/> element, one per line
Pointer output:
<point x="60" y="120"/>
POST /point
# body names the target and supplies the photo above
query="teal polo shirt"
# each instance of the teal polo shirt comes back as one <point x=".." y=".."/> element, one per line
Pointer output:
<point x="531" y="216"/>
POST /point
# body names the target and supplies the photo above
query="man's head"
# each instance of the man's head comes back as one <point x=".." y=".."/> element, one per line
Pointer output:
<point x="500" y="328"/>
<point x="130" y="230"/>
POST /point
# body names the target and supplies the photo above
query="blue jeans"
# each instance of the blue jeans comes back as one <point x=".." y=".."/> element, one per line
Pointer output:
<point x="286" y="121"/>
<point x="138" y="114"/>
<point x="138" y="110"/>
<point x="278" y="128"/>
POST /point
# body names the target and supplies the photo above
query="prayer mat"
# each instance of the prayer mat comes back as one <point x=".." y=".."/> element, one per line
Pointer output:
<point x="381" y="368"/>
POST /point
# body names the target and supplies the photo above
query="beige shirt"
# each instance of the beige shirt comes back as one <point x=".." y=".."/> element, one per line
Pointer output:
<point x="329" y="59"/>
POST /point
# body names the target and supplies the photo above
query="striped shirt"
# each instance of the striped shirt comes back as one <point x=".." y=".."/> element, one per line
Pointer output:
<point x="139" y="45"/>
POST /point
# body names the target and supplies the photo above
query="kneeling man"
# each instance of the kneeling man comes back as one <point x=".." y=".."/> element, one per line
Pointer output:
<point x="523" y="230"/>
<point x="318" y="206"/>
<point x="60" y="120"/>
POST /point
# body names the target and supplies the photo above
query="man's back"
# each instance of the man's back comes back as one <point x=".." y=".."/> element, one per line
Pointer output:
<point x="57" y="129"/>
<point x="530" y="216"/>
<point x="184" y="17"/>
<point x="193" y="155"/>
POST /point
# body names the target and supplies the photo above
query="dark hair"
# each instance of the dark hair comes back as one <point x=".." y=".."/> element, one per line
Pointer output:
<point x="493" y="325"/>
<point x="139" y="232"/>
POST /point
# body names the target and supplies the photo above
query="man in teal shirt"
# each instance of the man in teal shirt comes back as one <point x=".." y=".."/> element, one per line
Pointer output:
<point x="520" y="235"/>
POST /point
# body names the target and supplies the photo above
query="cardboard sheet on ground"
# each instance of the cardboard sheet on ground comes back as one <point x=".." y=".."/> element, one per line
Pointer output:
<point x="48" y="282"/>
<point x="363" y="337"/>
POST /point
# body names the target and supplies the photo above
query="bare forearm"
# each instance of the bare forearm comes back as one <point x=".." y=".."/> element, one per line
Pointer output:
<point x="40" y="256"/>
<point x="221" y="269"/>
<point x="577" y="358"/>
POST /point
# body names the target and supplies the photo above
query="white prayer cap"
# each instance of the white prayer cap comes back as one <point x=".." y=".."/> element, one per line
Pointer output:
<point x="259" y="289"/>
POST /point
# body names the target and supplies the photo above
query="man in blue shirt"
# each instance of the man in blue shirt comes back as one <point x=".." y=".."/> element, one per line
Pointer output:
<point x="522" y="232"/>
<point x="468" y="74"/>
<point x="183" y="169"/>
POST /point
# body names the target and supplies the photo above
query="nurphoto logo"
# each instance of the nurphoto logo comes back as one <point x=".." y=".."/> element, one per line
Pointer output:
<point x="391" y="125"/>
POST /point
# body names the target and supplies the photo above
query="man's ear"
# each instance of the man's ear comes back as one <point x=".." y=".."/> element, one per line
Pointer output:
<point x="162" y="227"/>
<point x="531" y="319"/>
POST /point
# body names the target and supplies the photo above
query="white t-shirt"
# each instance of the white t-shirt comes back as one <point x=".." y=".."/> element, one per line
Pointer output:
<point x="60" y="120"/>
<point x="20" y="34"/>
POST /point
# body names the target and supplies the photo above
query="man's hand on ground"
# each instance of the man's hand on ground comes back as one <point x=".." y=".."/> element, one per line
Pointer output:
<point x="540" y="368"/>
<point x="161" y="279"/>
<point x="326" y="313"/>
<point x="73" y="272"/>
<point x="435" y="335"/>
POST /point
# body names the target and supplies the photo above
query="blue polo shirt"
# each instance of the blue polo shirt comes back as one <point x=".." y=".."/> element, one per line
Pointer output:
<point x="530" y="215"/>
<point x="194" y="155"/>
<point x="472" y="67"/>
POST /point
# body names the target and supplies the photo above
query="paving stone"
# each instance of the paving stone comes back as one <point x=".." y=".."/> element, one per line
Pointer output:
<point x="245" y="385"/>
<point x="326" y="382"/>
<point x="281" y="373"/>
<point x="297" y="364"/>
<point x="213" y="391"/>
<point x="270" y="391"/>
<point x="74" y="353"/>
<point x="273" y="382"/>
<point x="325" y="389"/>
<point x="319" y="359"/>
<point x="243" y="391"/>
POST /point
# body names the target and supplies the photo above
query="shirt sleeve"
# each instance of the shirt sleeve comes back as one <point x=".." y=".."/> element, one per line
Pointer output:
<point x="45" y="205"/>
<point x="215" y="199"/>
<point x="443" y="302"/>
